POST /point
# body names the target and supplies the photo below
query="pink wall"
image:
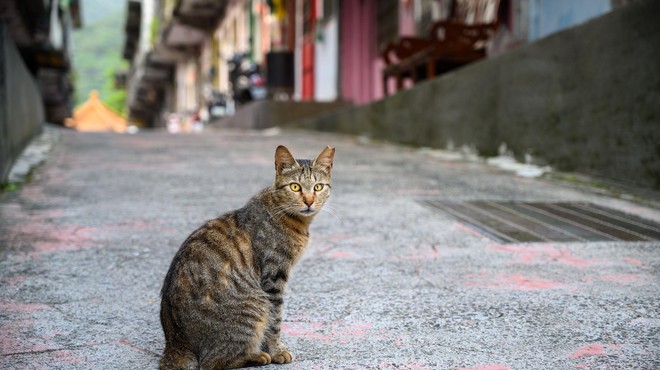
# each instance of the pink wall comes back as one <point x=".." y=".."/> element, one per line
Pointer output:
<point x="360" y="62"/>
<point x="360" y="67"/>
<point x="406" y="20"/>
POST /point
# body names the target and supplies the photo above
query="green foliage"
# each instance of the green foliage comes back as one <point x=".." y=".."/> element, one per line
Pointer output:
<point x="116" y="98"/>
<point x="97" y="50"/>
<point x="10" y="186"/>
<point x="74" y="81"/>
<point x="154" y="30"/>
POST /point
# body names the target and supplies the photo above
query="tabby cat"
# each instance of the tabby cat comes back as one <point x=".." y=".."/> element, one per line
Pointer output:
<point x="221" y="304"/>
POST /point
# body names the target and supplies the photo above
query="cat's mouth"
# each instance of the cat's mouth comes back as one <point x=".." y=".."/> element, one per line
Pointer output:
<point x="308" y="211"/>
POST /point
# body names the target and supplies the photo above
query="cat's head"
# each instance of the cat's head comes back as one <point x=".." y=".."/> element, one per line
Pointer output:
<point x="303" y="186"/>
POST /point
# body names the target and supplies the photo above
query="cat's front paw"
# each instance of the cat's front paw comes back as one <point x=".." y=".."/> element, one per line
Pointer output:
<point x="262" y="358"/>
<point x="282" y="357"/>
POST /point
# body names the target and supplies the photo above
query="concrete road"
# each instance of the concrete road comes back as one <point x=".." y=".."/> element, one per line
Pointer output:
<point x="386" y="282"/>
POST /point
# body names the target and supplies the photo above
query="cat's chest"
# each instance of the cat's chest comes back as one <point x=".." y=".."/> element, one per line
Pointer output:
<point x="276" y="238"/>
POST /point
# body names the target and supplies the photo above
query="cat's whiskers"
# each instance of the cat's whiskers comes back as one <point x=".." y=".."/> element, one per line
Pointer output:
<point x="283" y="210"/>
<point x="332" y="211"/>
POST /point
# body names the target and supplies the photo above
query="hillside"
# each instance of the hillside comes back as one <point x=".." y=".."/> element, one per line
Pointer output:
<point x="97" y="51"/>
<point x="95" y="10"/>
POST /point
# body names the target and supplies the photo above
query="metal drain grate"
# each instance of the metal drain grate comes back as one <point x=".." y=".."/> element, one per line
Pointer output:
<point x="516" y="222"/>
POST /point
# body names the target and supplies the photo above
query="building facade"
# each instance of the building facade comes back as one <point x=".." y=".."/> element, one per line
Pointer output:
<point x="308" y="50"/>
<point x="42" y="32"/>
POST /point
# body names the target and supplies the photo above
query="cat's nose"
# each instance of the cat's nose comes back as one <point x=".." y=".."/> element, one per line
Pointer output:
<point x="308" y="201"/>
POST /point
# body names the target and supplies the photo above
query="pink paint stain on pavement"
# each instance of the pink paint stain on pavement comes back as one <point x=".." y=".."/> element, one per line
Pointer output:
<point x="14" y="281"/>
<point x="24" y="308"/>
<point x="305" y="330"/>
<point x="23" y="334"/>
<point x="486" y="367"/>
<point x="127" y="343"/>
<point x="37" y="234"/>
<point x="329" y="332"/>
<point x="633" y="261"/>
<point x="347" y="333"/>
<point x="17" y="324"/>
<point x="626" y="279"/>
<point x="592" y="350"/>
<point x="537" y="253"/>
<point x="17" y="337"/>
<point x="65" y="357"/>
<point x="65" y="238"/>
<point x="520" y="282"/>
<point x="341" y="254"/>
<point x="515" y="281"/>
<point x="402" y="341"/>
<point x="36" y="194"/>
<point x="468" y="230"/>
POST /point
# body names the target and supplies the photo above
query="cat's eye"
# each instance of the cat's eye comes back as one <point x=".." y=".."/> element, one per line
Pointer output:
<point x="318" y="187"/>
<point x="295" y="187"/>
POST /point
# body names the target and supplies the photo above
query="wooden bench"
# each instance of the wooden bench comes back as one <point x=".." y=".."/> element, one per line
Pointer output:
<point x="456" y="41"/>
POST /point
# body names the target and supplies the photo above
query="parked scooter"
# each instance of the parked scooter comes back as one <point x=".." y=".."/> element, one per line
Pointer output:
<point x="247" y="81"/>
<point x="217" y="105"/>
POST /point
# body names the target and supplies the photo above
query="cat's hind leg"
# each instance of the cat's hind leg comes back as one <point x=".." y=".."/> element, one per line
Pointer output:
<point x="244" y="349"/>
<point x="176" y="356"/>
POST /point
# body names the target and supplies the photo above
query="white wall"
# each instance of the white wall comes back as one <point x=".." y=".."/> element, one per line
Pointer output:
<point x="326" y="54"/>
<point x="186" y="86"/>
<point x="233" y="34"/>
<point x="148" y="11"/>
<point x="297" y="89"/>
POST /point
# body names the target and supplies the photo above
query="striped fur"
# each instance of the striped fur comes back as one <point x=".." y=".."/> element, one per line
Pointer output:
<point x="222" y="298"/>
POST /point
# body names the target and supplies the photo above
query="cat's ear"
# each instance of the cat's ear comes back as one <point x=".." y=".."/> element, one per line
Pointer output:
<point x="324" y="160"/>
<point x="284" y="159"/>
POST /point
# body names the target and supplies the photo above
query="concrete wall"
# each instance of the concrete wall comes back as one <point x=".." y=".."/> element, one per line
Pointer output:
<point x="263" y="114"/>
<point x="586" y="99"/>
<point x="21" y="107"/>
